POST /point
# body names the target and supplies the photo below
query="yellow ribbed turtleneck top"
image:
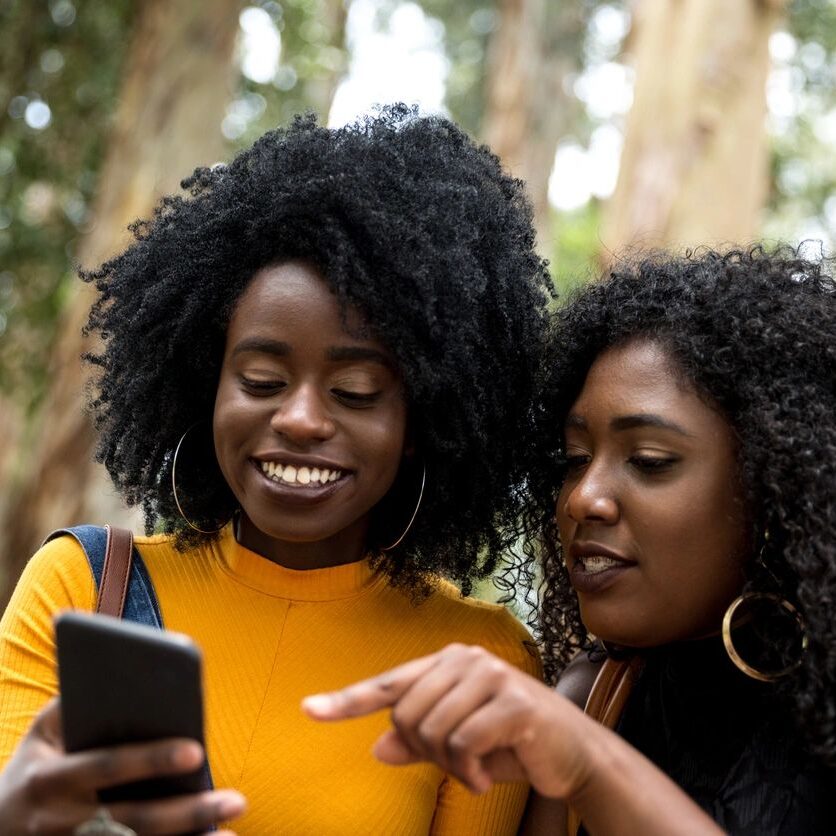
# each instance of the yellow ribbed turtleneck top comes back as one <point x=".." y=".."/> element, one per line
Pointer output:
<point x="271" y="636"/>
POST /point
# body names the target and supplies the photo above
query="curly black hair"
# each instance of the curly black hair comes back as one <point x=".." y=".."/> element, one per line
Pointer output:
<point x="408" y="221"/>
<point x="753" y="332"/>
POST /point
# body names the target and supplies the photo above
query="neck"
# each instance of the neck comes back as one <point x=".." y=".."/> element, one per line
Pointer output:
<point x="347" y="546"/>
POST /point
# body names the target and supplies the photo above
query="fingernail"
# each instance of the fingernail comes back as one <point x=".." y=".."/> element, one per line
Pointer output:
<point x="230" y="804"/>
<point x="187" y="754"/>
<point x="318" y="704"/>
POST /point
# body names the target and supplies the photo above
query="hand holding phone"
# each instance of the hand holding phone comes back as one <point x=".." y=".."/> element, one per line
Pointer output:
<point x="127" y="683"/>
<point x="45" y="786"/>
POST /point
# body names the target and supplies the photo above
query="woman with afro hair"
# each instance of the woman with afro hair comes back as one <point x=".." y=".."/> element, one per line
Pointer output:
<point x="315" y="369"/>
<point x="688" y="431"/>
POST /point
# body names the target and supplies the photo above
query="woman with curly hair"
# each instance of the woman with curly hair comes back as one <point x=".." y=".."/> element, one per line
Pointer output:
<point x="688" y="431"/>
<point x="312" y="371"/>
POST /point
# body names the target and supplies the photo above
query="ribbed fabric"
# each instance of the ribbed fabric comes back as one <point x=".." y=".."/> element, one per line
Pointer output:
<point x="270" y="636"/>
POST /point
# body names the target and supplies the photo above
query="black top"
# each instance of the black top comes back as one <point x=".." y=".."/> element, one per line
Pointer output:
<point x="720" y="736"/>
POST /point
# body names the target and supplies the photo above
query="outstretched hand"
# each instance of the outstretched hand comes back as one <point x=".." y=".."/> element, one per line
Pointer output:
<point x="475" y="716"/>
<point x="45" y="790"/>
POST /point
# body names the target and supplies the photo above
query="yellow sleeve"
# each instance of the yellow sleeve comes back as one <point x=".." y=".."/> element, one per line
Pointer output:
<point x="57" y="578"/>
<point x="499" y="811"/>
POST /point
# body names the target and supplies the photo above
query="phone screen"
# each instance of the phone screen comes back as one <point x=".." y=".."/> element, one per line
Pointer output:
<point x="128" y="683"/>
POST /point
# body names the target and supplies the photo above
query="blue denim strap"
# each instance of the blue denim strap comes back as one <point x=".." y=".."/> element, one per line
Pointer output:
<point x="140" y="601"/>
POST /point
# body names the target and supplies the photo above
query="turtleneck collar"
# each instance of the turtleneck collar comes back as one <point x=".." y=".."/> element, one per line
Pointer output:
<point x="258" y="572"/>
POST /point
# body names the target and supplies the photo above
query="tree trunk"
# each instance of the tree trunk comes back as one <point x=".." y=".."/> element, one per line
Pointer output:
<point x="332" y="16"/>
<point x="179" y="75"/>
<point x="536" y="46"/>
<point x="694" y="164"/>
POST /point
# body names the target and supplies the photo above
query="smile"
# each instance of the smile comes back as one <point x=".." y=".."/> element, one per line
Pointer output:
<point x="594" y="564"/>
<point x="289" y="474"/>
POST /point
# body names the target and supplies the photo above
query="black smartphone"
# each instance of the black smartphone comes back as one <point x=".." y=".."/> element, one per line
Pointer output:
<point x="128" y="683"/>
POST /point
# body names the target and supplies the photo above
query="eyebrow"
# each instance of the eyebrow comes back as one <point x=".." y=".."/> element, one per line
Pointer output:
<point x="336" y="354"/>
<point x="630" y="422"/>
<point x="262" y="345"/>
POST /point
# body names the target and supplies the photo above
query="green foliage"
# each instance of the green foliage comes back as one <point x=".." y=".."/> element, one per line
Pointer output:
<point x="576" y="244"/>
<point x="803" y="163"/>
<point x="61" y="53"/>
<point x="56" y="56"/>
<point x="313" y="59"/>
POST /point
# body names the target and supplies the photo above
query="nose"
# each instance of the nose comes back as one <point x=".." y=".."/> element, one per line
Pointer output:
<point x="591" y="498"/>
<point x="302" y="416"/>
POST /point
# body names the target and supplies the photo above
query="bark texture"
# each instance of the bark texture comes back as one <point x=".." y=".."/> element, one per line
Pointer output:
<point x="535" y="49"/>
<point x="694" y="164"/>
<point x="178" y="78"/>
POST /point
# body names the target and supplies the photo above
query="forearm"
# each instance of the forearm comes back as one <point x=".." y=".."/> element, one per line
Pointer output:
<point x="623" y="793"/>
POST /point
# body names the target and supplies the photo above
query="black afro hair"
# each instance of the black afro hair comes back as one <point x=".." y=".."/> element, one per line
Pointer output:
<point x="753" y="332"/>
<point x="411" y="223"/>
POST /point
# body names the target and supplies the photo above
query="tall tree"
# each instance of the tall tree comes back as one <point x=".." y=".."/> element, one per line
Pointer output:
<point x="178" y="77"/>
<point x="694" y="164"/>
<point x="535" y="48"/>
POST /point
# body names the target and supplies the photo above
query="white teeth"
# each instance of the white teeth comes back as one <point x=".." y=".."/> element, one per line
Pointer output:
<point x="593" y="564"/>
<point x="291" y="475"/>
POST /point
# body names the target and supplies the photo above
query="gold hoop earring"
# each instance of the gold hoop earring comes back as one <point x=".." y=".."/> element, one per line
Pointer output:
<point x="414" y="513"/>
<point x="174" y="487"/>
<point x="734" y="655"/>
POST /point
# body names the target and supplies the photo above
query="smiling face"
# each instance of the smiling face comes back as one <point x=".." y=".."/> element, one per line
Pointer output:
<point x="309" y="420"/>
<point x="650" y="515"/>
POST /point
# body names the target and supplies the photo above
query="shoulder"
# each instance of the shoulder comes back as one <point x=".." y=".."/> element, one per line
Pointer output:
<point x="492" y="626"/>
<point x="57" y="577"/>
<point x="60" y="570"/>
<point x="577" y="679"/>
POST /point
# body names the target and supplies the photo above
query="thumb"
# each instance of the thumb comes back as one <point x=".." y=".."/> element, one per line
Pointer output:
<point x="47" y="724"/>
<point x="391" y="748"/>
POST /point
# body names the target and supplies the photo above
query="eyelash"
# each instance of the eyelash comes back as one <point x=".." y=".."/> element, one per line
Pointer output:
<point x="262" y="386"/>
<point x="645" y="464"/>
<point x="652" y="464"/>
<point x="352" y="399"/>
<point x="355" y="399"/>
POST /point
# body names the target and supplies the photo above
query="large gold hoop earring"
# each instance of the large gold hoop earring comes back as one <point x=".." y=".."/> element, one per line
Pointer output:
<point x="414" y="513"/>
<point x="174" y="487"/>
<point x="734" y="655"/>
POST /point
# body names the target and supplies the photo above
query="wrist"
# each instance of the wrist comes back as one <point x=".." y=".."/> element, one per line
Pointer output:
<point x="594" y="756"/>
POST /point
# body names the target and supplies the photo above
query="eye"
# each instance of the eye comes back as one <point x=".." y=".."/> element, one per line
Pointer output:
<point x="652" y="464"/>
<point x="355" y="400"/>
<point x="575" y="462"/>
<point x="262" y="387"/>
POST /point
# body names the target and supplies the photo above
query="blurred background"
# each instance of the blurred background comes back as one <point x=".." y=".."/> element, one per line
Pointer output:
<point x="643" y="123"/>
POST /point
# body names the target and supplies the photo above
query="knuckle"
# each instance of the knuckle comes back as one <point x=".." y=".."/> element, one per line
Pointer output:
<point x="107" y="765"/>
<point x="495" y="667"/>
<point x="400" y="719"/>
<point x="428" y="735"/>
<point x="458" y="745"/>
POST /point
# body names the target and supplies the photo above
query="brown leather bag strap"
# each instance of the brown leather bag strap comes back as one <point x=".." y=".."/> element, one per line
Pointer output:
<point x="605" y="703"/>
<point x="116" y="571"/>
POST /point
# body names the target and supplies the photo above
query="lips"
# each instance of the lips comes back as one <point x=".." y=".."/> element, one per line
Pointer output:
<point x="294" y="479"/>
<point x="594" y="567"/>
<point x="301" y="475"/>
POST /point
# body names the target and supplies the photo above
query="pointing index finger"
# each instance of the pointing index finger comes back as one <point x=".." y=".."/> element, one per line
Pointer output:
<point x="369" y="695"/>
